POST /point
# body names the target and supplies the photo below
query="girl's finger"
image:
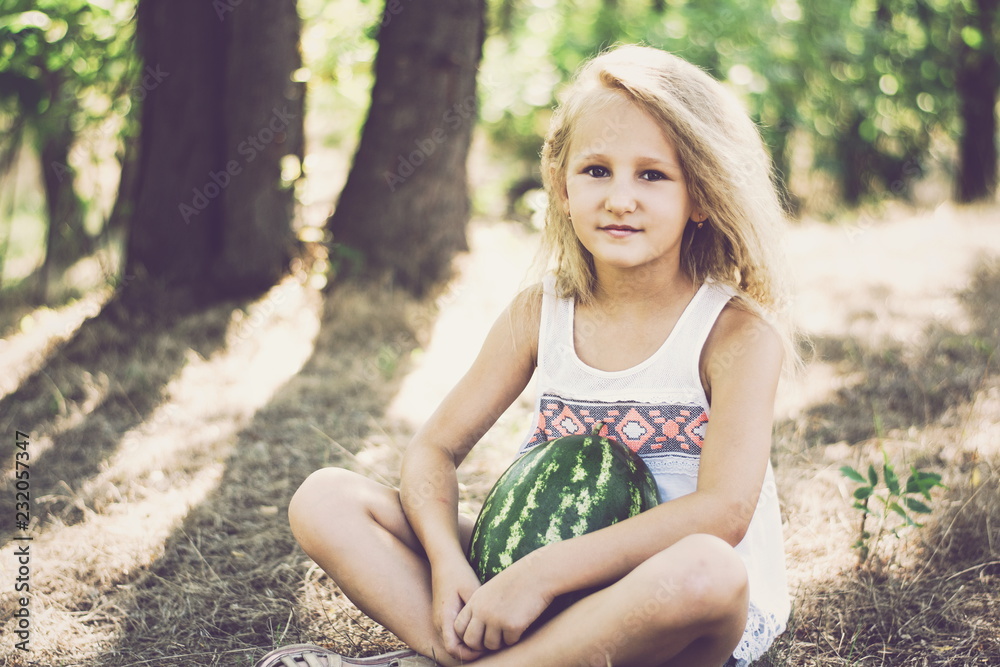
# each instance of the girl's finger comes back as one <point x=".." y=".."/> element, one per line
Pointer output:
<point x="473" y="635"/>
<point x="511" y="637"/>
<point x="462" y="621"/>
<point x="453" y="644"/>
<point x="493" y="639"/>
<point x="463" y="652"/>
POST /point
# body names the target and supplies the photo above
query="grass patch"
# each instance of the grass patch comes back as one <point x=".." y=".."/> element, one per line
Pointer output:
<point x="929" y="598"/>
<point x="167" y="450"/>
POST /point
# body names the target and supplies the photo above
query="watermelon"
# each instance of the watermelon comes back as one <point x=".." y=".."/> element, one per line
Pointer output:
<point x="559" y="489"/>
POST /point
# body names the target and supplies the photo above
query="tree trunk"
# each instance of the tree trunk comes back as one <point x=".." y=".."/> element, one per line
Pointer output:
<point x="211" y="215"/>
<point x="264" y="112"/>
<point x="121" y="213"/>
<point x="978" y="81"/>
<point x="854" y="158"/>
<point x="403" y="211"/>
<point x="67" y="239"/>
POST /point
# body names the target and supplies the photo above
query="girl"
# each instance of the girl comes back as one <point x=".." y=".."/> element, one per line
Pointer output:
<point x="662" y="309"/>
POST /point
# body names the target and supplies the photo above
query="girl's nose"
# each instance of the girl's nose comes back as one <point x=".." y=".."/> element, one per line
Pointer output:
<point x="620" y="199"/>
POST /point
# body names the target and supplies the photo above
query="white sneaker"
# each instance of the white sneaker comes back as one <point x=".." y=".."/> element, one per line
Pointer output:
<point x="310" y="655"/>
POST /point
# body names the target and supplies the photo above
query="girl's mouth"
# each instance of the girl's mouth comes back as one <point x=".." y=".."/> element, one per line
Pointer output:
<point x="619" y="231"/>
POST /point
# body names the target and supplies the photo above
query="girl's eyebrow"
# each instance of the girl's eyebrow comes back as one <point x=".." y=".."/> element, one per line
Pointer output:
<point x="658" y="161"/>
<point x="587" y="157"/>
<point x="643" y="160"/>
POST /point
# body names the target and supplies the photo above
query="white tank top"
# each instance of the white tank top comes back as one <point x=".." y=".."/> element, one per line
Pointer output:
<point x="659" y="409"/>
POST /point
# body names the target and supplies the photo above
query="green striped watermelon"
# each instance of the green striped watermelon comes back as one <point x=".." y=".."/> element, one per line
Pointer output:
<point x="559" y="489"/>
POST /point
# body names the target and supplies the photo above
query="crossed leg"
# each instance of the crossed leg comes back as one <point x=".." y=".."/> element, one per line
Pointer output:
<point x="685" y="606"/>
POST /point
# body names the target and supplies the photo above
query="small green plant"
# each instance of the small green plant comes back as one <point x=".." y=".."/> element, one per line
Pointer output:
<point x="892" y="498"/>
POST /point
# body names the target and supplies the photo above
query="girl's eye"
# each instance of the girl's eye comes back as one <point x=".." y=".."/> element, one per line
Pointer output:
<point x="595" y="171"/>
<point x="653" y="175"/>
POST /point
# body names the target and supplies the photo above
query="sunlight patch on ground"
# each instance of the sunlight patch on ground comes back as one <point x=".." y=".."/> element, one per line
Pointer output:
<point x="24" y="352"/>
<point x="164" y="467"/>
<point x="499" y="265"/>
<point x="213" y="398"/>
<point x="815" y="384"/>
<point x="874" y="278"/>
<point x="490" y="275"/>
<point x="977" y="436"/>
<point x="80" y="593"/>
<point x="873" y="281"/>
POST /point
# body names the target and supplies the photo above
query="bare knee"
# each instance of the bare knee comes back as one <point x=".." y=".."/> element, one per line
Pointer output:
<point x="717" y="576"/>
<point x="702" y="573"/>
<point x="326" y="496"/>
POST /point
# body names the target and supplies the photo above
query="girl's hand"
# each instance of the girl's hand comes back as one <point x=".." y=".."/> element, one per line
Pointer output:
<point x="501" y="610"/>
<point x="452" y="588"/>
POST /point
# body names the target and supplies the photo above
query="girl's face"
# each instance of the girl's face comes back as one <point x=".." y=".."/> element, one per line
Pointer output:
<point x="626" y="193"/>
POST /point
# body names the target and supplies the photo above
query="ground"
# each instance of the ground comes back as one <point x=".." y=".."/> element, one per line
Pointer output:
<point x="162" y="451"/>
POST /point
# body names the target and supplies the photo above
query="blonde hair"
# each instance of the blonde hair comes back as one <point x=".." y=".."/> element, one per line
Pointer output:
<point x="728" y="172"/>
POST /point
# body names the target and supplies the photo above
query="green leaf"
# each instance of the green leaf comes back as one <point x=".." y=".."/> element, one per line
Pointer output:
<point x="899" y="510"/>
<point x="922" y="482"/>
<point x="891" y="480"/>
<point x="916" y="505"/>
<point x="872" y="476"/>
<point x="863" y="508"/>
<point x="863" y="492"/>
<point x="852" y="474"/>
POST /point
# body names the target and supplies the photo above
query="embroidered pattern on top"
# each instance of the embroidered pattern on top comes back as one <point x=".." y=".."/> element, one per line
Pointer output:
<point x="651" y="430"/>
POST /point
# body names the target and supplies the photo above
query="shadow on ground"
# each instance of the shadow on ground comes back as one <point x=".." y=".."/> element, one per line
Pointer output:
<point x="901" y="385"/>
<point x="231" y="582"/>
<point x="92" y="389"/>
<point x="938" y="608"/>
<point x="932" y="598"/>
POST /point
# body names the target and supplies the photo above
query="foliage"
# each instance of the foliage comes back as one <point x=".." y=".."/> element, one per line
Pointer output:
<point x="73" y="58"/>
<point x="338" y="47"/>
<point x="865" y="89"/>
<point x="893" y="498"/>
<point x="863" y="92"/>
<point x="880" y="77"/>
<point x="69" y="77"/>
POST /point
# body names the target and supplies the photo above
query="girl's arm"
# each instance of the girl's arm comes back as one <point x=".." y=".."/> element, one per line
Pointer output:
<point x="428" y="485"/>
<point x="740" y="366"/>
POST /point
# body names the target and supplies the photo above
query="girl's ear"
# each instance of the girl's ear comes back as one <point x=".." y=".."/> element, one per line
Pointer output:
<point x="698" y="215"/>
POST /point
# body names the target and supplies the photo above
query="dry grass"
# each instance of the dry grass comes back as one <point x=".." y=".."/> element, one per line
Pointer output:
<point x="923" y="391"/>
<point x="164" y="453"/>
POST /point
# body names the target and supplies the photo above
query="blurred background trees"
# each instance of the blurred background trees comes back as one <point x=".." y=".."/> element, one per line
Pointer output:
<point x="220" y="145"/>
<point x="65" y="72"/>
<point x="403" y="210"/>
<point x="862" y="102"/>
